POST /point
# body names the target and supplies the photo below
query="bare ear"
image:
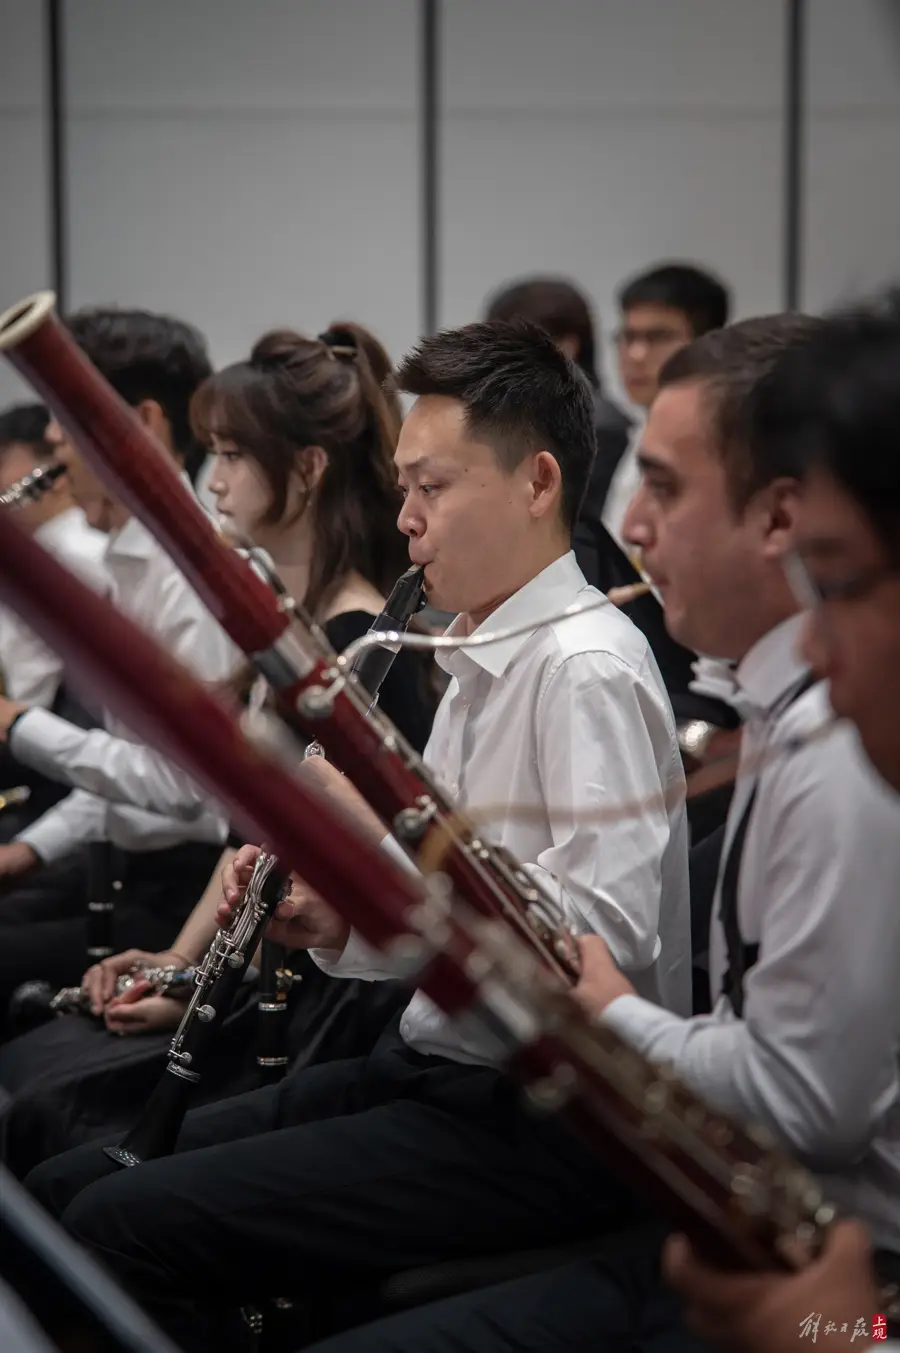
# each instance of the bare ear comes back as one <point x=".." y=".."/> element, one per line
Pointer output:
<point x="310" y="465"/>
<point x="152" y="416"/>
<point x="781" y="498"/>
<point x="546" y="484"/>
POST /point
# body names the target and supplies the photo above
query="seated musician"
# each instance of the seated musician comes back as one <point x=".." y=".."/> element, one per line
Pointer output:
<point x="836" y="406"/>
<point x="31" y="673"/>
<point x="805" y="943"/>
<point x="303" y="436"/>
<point x="162" y="863"/>
<point x="356" y="1168"/>
<point x="693" y="303"/>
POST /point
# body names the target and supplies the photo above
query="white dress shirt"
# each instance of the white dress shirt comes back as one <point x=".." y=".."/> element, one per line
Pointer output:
<point x="623" y="486"/>
<point x="102" y="765"/>
<point x="570" y="715"/>
<point x="815" y="1057"/>
<point x="32" y="672"/>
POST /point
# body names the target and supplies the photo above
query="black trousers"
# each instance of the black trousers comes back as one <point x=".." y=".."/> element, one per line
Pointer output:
<point x="43" y="927"/>
<point x="72" y="1081"/>
<point x="343" y="1173"/>
<point x="617" y="1305"/>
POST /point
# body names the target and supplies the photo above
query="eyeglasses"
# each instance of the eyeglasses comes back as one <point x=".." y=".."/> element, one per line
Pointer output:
<point x="650" y="338"/>
<point x="814" y="592"/>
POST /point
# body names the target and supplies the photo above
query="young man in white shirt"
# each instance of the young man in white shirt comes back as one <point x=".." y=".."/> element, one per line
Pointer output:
<point x="160" y="863"/>
<point x="814" y="944"/>
<point x="660" y="310"/>
<point x="425" y="1150"/>
<point x="31" y="672"/>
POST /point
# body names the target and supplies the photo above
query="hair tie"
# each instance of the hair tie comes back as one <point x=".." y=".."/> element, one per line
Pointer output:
<point x="340" y="350"/>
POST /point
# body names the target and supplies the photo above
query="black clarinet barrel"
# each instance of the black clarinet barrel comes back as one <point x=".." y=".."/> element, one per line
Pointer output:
<point x="275" y="982"/>
<point x="217" y="980"/>
<point x="407" y="597"/>
<point x="100" y="905"/>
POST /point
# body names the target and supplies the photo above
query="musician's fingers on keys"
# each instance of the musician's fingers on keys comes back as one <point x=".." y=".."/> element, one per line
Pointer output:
<point x="304" y="921"/>
<point x="601" y="982"/>
<point x="747" y="1311"/>
<point x="235" y="877"/>
<point x="99" y="982"/>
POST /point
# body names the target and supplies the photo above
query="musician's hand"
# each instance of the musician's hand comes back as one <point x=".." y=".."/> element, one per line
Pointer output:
<point x="99" y="982"/>
<point x="768" y="1313"/>
<point x="235" y="876"/>
<point x="134" y="1012"/>
<point x="9" y="710"/>
<point x="303" y="921"/>
<point x="601" y="981"/>
<point x="16" y="860"/>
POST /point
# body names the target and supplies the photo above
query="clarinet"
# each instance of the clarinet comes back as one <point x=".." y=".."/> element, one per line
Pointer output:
<point x="216" y="982"/>
<point x="275" y="982"/>
<point x="11" y="797"/>
<point x="100" y="907"/>
<point x="32" y="486"/>
<point x="371" y="667"/>
<point x="35" y="1003"/>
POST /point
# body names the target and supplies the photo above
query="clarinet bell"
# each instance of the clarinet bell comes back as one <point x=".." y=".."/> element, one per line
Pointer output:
<point x="30" y="1006"/>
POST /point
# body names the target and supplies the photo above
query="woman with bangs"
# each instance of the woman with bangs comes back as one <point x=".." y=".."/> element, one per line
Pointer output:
<point x="303" y="436"/>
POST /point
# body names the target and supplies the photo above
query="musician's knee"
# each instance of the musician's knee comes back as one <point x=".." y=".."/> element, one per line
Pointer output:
<point x="59" y="1180"/>
<point x="104" y="1218"/>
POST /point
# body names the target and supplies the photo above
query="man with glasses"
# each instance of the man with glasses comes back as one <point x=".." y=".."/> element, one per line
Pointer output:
<point x="834" y="407"/>
<point x="661" y="310"/>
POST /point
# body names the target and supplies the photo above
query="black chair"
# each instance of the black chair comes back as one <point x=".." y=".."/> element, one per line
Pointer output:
<point x="283" y="1324"/>
<point x="433" y="1282"/>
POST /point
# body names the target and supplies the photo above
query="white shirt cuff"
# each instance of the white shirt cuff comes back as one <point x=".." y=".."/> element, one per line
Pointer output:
<point x="49" y="838"/>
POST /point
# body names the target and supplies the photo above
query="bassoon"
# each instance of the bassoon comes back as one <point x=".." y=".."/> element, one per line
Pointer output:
<point x="741" y="1199"/>
<point x="314" y="687"/>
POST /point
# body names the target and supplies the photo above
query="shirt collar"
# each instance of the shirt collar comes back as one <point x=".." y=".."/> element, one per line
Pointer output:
<point x="551" y="591"/>
<point x="773" y="666"/>
<point x="133" y="540"/>
<point x="56" y="530"/>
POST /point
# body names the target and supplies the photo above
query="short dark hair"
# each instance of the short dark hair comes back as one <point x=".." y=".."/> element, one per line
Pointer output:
<point x="731" y="364"/>
<point x="701" y="297"/>
<point x="557" y="307"/>
<point x="835" y="403"/>
<point x="518" y="390"/>
<point x="25" y="423"/>
<point x="148" y="356"/>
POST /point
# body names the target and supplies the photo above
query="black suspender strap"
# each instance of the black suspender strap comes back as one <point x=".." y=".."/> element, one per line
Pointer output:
<point x="743" y="956"/>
